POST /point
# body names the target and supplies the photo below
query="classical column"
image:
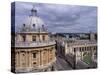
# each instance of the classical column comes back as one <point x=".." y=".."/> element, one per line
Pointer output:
<point x="41" y="56"/>
<point x="74" y="58"/>
<point x="76" y="55"/>
<point x="17" y="60"/>
<point x="53" y="54"/>
<point x="82" y="55"/>
<point x="48" y="55"/>
<point x="40" y="59"/>
<point x="30" y="59"/>
<point x="20" y="59"/>
<point x="27" y="59"/>
<point x="92" y="53"/>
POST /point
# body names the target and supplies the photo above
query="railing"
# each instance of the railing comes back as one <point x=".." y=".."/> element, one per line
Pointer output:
<point x="34" y="44"/>
<point x="33" y="30"/>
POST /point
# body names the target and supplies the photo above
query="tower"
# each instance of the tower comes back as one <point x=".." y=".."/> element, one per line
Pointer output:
<point x="92" y="36"/>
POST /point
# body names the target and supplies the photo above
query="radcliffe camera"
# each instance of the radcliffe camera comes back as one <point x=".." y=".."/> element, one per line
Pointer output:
<point x="53" y="37"/>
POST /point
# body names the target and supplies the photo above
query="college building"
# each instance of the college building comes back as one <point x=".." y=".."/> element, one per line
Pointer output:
<point x="32" y="49"/>
<point x="80" y="54"/>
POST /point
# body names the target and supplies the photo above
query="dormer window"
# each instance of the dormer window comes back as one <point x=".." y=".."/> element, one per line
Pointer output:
<point x="33" y="25"/>
<point x="24" y="25"/>
<point x="43" y="26"/>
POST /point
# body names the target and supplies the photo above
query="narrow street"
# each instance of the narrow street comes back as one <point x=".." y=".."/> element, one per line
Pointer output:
<point x="61" y="64"/>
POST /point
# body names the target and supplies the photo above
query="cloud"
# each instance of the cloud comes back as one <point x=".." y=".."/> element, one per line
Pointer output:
<point x="60" y="18"/>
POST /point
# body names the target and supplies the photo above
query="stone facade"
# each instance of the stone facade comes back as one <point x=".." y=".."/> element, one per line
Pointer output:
<point x="32" y="50"/>
<point x="81" y="49"/>
<point x="32" y="59"/>
<point x="75" y="51"/>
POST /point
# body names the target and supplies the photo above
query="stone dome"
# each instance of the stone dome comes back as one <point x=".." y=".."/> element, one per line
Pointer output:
<point x="33" y="23"/>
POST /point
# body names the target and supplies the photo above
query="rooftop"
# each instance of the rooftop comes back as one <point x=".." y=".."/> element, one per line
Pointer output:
<point x="80" y="42"/>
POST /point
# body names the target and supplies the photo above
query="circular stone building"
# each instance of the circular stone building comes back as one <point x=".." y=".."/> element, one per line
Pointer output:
<point x="32" y="50"/>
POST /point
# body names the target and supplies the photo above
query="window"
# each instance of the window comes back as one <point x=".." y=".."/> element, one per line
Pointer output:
<point x="94" y="47"/>
<point x="90" y="47"/>
<point x="80" y="49"/>
<point x="23" y="54"/>
<point x="33" y="38"/>
<point x="34" y="63"/>
<point x="34" y="55"/>
<point x="24" y="38"/>
<point x="43" y="38"/>
<point x="74" y="49"/>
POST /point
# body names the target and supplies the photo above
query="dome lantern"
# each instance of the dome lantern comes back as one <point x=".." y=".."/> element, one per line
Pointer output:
<point x="33" y="11"/>
<point x="33" y="23"/>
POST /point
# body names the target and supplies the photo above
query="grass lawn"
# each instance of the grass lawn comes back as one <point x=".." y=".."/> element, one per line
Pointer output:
<point x="87" y="59"/>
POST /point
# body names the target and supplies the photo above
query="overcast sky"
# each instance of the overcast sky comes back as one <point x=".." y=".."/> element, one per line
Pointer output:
<point x="60" y="18"/>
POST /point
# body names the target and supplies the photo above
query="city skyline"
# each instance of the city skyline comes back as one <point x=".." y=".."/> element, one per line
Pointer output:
<point x="60" y="18"/>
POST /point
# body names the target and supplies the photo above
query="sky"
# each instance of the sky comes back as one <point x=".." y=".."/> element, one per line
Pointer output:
<point x="59" y="18"/>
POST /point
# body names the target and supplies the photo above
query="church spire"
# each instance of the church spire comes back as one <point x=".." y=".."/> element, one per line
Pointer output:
<point x="33" y="11"/>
